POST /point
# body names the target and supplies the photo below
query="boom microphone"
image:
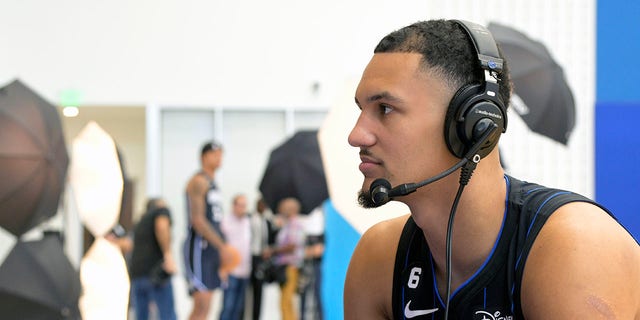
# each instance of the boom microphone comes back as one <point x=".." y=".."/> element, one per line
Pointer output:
<point x="381" y="191"/>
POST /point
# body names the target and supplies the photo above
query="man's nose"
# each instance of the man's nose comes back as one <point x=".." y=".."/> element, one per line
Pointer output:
<point x="361" y="135"/>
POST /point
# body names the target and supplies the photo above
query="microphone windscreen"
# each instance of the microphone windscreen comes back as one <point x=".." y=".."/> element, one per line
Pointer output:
<point x="380" y="191"/>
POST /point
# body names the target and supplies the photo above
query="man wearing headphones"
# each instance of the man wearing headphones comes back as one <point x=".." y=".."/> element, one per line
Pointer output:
<point x="433" y="104"/>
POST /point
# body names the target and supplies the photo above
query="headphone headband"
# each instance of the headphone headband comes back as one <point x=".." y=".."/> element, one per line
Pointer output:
<point x="485" y="45"/>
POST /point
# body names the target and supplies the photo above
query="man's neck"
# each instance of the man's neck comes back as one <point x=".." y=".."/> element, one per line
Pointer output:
<point x="477" y="222"/>
<point x="209" y="172"/>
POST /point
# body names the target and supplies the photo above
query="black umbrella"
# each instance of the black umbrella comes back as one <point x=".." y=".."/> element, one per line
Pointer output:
<point x="546" y="103"/>
<point x="33" y="159"/>
<point x="38" y="282"/>
<point x="295" y="170"/>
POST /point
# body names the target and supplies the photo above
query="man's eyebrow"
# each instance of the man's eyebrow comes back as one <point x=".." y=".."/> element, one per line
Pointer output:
<point x="385" y="95"/>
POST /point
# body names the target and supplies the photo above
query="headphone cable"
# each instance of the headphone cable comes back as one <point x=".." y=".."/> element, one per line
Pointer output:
<point x="465" y="176"/>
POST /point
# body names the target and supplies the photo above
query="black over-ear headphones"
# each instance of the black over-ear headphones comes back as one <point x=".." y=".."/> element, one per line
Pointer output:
<point x="475" y="105"/>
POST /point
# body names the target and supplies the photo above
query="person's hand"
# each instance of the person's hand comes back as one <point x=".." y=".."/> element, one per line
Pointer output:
<point x="123" y="243"/>
<point x="317" y="250"/>
<point x="224" y="276"/>
<point x="111" y="238"/>
<point x="168" y="264"/>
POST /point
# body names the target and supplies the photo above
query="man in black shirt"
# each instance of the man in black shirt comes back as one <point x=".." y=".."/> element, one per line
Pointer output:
<point x="152" y="263"/>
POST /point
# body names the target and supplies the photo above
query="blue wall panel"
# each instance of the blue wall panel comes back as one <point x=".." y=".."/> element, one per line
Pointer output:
<point x="617" y="160"/>
<point x="618" y="45"/>
<point x="617" y="136"/>
<point x="341" y="240"/>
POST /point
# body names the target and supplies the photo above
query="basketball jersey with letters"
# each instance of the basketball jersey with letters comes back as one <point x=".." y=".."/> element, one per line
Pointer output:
<point x="493" y="292"/>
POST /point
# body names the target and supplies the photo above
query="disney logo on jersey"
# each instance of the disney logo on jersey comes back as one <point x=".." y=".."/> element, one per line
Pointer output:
<point x="484" y="315"/>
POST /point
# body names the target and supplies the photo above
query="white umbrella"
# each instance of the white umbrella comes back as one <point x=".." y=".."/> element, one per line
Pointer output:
<point x="96" y="179"/>
<point x="105" y="282"/>
<point x="340" y="162"/>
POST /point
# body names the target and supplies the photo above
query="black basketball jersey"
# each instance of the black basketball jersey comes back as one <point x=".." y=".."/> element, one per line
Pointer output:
<point x="493" y="292"/>
<point x="213" y="206"/>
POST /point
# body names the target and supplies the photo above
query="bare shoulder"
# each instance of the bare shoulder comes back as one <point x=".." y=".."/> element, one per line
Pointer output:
<point x="369" y="279"/>
<point x="379" y="243"/>
<point x="583" y="264"/>
<point x="197" y="185"/>
<point x="382" y="232"/>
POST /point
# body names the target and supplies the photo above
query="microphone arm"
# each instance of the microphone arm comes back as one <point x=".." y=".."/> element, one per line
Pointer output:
<point x="404" y="189"/>
<point x="407" y="188"/>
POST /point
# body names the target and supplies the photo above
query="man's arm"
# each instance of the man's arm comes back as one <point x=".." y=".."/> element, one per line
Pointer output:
<point x="275" y="250"/>
<point x="369" y="281"/>
<point x="162" y="228"/>
<point x="583" y="265"/>
<point x="124" y="243"/>
<point x="196" y="191"/>
<point x="314" y="251"/>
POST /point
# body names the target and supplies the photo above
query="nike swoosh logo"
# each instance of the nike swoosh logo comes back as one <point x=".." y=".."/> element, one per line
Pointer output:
<point x="408" y="313"/>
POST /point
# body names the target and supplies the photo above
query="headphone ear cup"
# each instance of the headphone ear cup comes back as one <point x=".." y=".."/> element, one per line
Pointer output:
<point x="455" y="138"/>
<point x="477" y="118"/>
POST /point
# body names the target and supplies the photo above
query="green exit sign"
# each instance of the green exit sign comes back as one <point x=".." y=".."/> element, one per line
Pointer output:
<point x="70" y="98"/>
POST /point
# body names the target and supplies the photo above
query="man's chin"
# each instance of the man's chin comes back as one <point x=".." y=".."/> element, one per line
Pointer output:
<point x="365" y="200"/>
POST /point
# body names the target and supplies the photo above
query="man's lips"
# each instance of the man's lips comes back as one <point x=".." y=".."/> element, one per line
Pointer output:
<point x="368" y="164"/>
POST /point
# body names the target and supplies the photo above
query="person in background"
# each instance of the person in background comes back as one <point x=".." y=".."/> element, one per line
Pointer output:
<point x="260" y="230"/>
<point x="237" y="230"/>
<point x="289" y="253"/>
<point x="311" y="278"/>
<point x="204" y="248"/>
<point x="152" y="263"/>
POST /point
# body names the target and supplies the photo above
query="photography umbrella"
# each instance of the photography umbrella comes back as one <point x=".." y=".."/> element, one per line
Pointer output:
<point x="38" y="282"/>
<point x="542" y="97"/>
<point x="295" y="170"/>
<point x="97" y="179"/>
<point x="33" y="159"/>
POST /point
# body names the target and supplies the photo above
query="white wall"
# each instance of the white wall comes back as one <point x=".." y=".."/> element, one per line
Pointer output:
<point x="239" y="53"/>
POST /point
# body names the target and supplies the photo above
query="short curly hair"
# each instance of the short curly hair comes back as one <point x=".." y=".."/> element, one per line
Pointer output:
<point x="447" y="51"/>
